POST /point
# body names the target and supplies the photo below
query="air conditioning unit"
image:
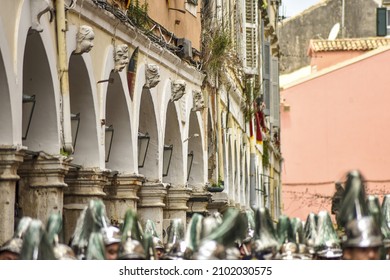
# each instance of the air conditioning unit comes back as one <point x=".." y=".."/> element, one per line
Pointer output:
<point x="185" y="48"/>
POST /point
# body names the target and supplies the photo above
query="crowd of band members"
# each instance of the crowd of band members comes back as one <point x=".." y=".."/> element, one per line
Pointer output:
<point x="362" y="232"/>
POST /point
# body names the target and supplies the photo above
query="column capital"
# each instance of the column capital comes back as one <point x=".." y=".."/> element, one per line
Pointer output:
<point x="44" y="170"/>
<point x="177" y="197"/>
<point x="10" y="159"/>
<point x="152" y="194"/>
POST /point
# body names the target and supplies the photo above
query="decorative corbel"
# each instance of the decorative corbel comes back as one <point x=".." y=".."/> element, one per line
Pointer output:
<point x="84" y="37"/>
<point x="121" y="57"/>
<point x="152" y="76"/>
<point x="38" y="8"/>
<point x="178" y="88"/>
<point x="198" y="100"/>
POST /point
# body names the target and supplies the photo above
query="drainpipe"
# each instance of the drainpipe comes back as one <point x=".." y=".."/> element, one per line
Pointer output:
<point x="220" y="135"/>
<point x="252" y="166"/>
<point x="64" y="78"/>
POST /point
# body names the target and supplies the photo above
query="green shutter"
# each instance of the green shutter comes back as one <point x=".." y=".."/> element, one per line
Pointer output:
<point x="381" y="21"/>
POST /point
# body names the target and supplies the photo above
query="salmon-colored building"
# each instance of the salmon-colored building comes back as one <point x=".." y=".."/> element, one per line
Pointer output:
<point x="335" y="120"/>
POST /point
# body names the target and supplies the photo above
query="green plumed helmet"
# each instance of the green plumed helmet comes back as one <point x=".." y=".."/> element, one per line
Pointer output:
<point x="385" y="225"/>
<point x="326" y="234"/>
<point x="362" y="233"/>
<point x="233" y="227"/>
<point x="14" y="245"/>
<point x="96" y="247"/>
<point x="54" y="227"/>
<point x="150" y="229"/>
<point x="176" y="247"/>
<point x="220" y="243"/>
<point x="92" y="219"/>
<point x="36" y="244"/>
<point x="265" y="238"/>
<point x="149" y="247"/>
<point x="374" y="208"/>
<point x="194" y="232"/>
<point x="132" y="246"/>
<point x="297" y="227"/>
<point x="353" y="204"/>
<point x="310" y="229"/>
<point x="284" y="230"/>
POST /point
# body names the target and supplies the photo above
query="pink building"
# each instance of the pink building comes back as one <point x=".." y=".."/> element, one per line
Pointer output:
<point x="335" y="120"/>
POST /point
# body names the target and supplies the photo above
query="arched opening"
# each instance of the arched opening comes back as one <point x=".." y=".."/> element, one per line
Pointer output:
<point x="148" y="126"/>
<point x="5" y="106"/>
<point x="118" y="141"/>
<point x="40" y="129"/>
<point x="172" y="138"/>
<point x="84" y="129"/>
<point x="196" y="170"/>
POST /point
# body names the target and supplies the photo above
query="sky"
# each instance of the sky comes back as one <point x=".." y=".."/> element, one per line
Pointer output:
<point x="292" y="7"/>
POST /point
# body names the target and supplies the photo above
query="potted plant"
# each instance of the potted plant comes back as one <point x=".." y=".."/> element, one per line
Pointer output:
<point x="216" y="187"/>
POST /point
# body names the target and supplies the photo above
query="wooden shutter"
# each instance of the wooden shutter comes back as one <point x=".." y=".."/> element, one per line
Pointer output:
<point x="251" y="33"/>
<point x="275" y="94"/>
<point x="266" y="69"/>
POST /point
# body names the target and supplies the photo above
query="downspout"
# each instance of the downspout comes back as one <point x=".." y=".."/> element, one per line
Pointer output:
<point x="252" y="165"/>
<point x="221" y="174"/>
<point x="64" y="77"/>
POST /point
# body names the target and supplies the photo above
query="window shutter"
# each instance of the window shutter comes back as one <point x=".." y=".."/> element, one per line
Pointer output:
<point x="251" y="33"/>
<point x="381" y="21"/>
<point x="267" y="77"/>
<point x="275" y="94"/>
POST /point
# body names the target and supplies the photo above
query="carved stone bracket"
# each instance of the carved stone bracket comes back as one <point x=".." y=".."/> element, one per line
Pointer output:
<point x="121" y="57"/>
<point x="198" y="101"/>
<point x="178" y="88"/>
<point x="152" y="76"/>
<point x="38" y="8"/>
<point x="84" y="37"/>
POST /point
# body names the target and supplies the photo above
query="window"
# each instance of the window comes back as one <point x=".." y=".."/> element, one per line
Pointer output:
<point x="251" y="33"/>
<point x="192" y="6"/>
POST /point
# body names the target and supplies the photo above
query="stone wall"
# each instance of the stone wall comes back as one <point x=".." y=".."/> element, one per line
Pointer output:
<point x="316" y="23"/>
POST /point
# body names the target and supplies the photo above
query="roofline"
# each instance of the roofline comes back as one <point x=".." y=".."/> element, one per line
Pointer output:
<point x="337" y="66"/>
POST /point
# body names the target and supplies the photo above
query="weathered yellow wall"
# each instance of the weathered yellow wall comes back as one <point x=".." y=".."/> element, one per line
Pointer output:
<point x="189" y="26"/>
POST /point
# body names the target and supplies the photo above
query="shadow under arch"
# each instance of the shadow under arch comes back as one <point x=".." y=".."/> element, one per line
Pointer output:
<point x="6" y="120"/>
<point x="86" y="145"/>
<point x="176" y="174"/>
<point x="148" y="125"/>
<point x="117" y="114"/>
<point x="197" y="174"/>
<point x="43" y="133"/>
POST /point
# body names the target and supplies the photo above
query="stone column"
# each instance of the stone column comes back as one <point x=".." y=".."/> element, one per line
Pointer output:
<point x="176" y="206"/>
<point x="10" y="158"/>
<point x="83" y="185"/>
<point x="198" y="202"/>
<point x="151" y="204"/>
<point x="41" y="188"/>
<point x="219" y="202"/>
<point x="121" y="194"/>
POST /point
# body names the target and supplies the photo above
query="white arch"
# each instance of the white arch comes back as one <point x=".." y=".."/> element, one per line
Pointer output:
<point x="8" y="106"/>
<point x="23" y="24"/>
